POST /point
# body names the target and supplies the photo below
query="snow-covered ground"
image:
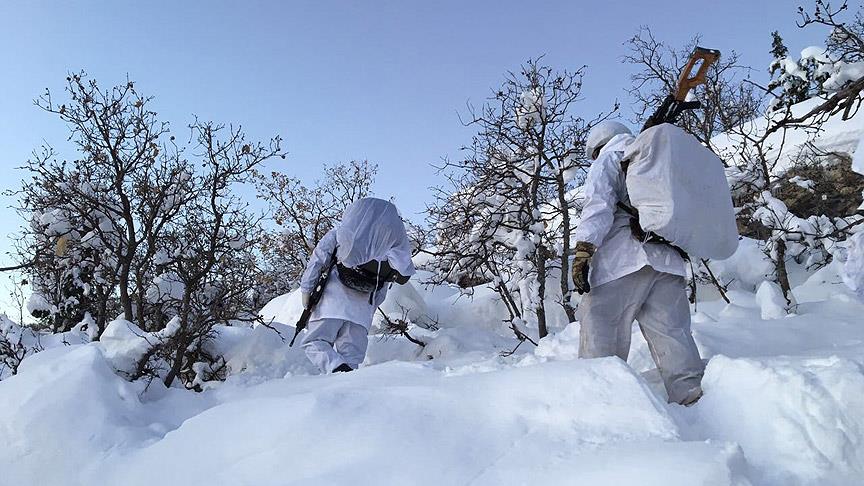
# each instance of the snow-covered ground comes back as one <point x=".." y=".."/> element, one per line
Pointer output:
<point x="783" y="405"/>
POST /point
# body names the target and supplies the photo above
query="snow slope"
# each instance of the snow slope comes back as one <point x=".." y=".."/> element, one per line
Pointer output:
<point x="395" y="423"/>
<point x="835" y="135"/>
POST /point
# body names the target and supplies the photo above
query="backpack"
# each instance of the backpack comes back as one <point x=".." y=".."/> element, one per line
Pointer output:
<point x="679" y="192"/>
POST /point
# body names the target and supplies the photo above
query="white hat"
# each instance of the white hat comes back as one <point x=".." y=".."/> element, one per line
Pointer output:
<point x="602" y="133"/>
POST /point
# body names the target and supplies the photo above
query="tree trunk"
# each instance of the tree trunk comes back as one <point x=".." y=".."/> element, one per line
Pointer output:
<point x="782" y="274"/>
<point x="541" y="294"/>
<point x="177" y="364"/>
<point x="182" y="337"/>
<point x="139" y="303"/>
<point x="102" y="316"/>
<point x="125" y="299"/>
<point x="566" y="292"/>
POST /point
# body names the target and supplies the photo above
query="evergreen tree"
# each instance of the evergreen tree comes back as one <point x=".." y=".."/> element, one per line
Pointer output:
<point x="787" y="75"/>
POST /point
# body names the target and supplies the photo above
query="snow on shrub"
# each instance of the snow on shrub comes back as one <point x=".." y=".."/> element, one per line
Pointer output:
<point x="771" y="302"/>
<point x="853" y="270"/>
<point x="746" y="268"/>
<point x="126" y="346"/>
<point x="37" y="305"/>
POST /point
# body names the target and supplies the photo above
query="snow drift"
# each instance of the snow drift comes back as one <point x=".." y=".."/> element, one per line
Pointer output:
<point x="390" y="424"/>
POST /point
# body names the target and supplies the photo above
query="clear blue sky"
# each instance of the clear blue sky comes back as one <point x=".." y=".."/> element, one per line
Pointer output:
<point x="342" y="80"/>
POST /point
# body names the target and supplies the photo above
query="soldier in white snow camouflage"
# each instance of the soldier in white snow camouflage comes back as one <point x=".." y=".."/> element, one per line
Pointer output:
<point x="626" y="279"/>
<point x="372" y="251"/>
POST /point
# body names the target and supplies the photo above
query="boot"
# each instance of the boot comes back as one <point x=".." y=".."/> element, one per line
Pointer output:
<point x="343" y="368"/>
<point x="692" y="397"/>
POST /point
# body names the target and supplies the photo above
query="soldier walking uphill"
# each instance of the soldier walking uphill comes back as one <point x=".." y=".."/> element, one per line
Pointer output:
<point x="628" y="279"/>
<point x="360" y="258"/>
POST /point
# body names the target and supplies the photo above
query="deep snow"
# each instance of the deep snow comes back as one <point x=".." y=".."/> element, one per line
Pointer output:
<point x="783" y="405"/>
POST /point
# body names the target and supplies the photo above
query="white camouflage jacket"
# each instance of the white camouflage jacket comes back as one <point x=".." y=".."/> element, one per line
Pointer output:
<point x="607" y="226"/>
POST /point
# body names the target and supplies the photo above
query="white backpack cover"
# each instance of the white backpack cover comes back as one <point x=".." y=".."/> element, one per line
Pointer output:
<point x="680" y="190"/>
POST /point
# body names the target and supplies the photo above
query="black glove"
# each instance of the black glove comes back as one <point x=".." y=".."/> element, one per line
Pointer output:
<point x="581" y="263"/>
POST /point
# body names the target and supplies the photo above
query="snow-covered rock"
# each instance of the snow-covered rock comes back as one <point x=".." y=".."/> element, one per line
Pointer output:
<point x="858" y="157"/>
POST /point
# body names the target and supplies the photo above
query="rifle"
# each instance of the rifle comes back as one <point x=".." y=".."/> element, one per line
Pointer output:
<point x="314" y="297"/>
<point x="668" y="112"/>
<point x="676" y="102"/>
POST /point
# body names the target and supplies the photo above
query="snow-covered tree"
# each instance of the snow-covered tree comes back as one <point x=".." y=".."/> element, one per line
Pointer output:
<point x="207" y="267"/>
<point x="70" y="265"/>
<point x="759" y="151"/>
<point x="95" y="220"/>
<point x="130" y="226"/>
<point x="787" y="74"/>
<point x="834" y="73"/>
<point x="505" y="219"/>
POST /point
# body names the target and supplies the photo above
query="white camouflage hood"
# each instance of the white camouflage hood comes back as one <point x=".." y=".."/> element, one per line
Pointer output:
<point x="371" y="229"/>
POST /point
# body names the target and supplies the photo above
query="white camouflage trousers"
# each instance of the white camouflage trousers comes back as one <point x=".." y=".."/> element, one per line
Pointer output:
<point x="659" y="302"/>
<point x="332" y="342"/>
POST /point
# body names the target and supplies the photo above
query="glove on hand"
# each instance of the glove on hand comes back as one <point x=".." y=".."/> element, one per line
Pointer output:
<point x="304" y="297"/>
<point x="581" y="262"/>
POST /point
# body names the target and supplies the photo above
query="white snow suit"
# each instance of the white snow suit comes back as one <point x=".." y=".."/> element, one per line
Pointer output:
<point x="371" y="229"/>
<point x="633" y="280"/>
<point x="331" y="342"/>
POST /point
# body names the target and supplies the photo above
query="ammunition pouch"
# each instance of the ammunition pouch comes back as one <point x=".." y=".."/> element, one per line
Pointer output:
<point x="369" y="277"/>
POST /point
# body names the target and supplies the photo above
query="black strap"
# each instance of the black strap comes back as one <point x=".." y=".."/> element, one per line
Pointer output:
<point x="647" y="236"/>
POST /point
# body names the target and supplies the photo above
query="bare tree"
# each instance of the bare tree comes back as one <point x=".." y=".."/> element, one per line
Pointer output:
<point x="17" y="294"/>
<point x="505" y="218"/>
<point x="303" y="215"/>
<point x="118" y="135"/>
<point x="210" y="260"/>
<point x="727" y="100"/>
<point x="98" y="217"/>
<point x="131" y="225"/>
